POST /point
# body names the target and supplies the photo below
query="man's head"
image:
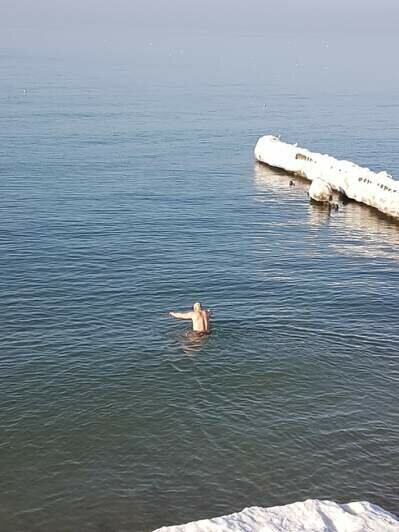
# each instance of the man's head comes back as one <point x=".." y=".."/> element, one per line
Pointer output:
<point x="197" y="307"/>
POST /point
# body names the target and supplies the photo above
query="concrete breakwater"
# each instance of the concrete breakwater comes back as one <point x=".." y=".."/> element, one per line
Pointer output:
<point x="376" y="189"/>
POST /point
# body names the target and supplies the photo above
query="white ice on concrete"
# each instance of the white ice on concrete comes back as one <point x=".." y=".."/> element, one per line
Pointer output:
<point x="307" y="516"/>
<point x="320" y="190"/>
<point x="378" y="190"/>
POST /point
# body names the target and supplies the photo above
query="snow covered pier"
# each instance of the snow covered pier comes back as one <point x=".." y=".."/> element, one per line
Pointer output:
<point x="307" y="516"/>
<point x="378" y="190"/>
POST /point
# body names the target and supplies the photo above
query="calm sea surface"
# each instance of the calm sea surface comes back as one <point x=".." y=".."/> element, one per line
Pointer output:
<point x="129" y="189"/>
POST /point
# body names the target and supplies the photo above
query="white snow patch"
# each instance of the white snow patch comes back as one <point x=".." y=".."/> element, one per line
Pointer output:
<point x="320" y="190"/>
<point x="307" y="516"/>
<point x="377" y="189"/>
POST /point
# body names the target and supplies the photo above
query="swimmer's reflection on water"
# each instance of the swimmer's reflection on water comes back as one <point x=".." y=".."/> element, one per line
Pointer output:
<point x="192" y="342"/>
<point x="200" y="319"/>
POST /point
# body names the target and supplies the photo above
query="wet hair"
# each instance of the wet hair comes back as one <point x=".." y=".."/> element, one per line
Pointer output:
<point x="197" y="306"/>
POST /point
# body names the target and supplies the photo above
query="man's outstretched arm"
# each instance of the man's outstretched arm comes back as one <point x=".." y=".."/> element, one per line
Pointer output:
<point x="181" y="315"/>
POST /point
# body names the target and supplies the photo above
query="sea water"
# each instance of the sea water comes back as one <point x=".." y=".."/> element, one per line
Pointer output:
<point x="129" y="189"/>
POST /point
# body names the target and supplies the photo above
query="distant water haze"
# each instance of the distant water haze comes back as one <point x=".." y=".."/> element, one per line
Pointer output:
<point x="253" y="15"/>
<point x="95" y="25"/>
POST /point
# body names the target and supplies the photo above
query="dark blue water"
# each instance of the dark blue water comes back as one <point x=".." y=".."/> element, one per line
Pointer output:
<point x="129" y="189"/>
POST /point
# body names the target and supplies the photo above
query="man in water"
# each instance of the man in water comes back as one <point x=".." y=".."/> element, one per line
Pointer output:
<point x="199" y="317"/>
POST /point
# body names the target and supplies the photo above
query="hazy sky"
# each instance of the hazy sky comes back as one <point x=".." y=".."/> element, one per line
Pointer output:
<point x="74" y="19"/>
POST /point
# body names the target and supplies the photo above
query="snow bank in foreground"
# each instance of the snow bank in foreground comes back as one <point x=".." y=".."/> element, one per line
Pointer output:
<point x="308" y="516"/>
<point x="378" y="190"/>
